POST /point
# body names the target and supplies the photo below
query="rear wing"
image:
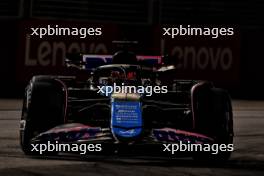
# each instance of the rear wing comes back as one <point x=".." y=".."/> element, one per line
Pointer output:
<point x="92" y="61"/>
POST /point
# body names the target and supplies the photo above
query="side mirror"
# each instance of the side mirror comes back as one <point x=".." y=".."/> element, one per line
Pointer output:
<point x="168" y="64"/>
<point x="73" y="57"/>
<point x="74" y="60"/>
<point x="167" y="60"/>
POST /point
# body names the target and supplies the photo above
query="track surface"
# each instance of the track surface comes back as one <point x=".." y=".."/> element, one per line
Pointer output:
<point x="247" y="159"/>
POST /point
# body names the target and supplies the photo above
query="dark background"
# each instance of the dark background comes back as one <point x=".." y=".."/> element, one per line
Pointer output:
<point x="134" y="20"/>
<point x="137" y="20"/>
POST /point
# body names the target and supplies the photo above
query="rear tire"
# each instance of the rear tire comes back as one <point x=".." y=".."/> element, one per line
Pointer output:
<point x="43" y="108"/>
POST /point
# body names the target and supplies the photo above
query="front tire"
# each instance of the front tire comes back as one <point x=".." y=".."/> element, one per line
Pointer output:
<point x="43" y="108"/>
<point x="215" y="119"/>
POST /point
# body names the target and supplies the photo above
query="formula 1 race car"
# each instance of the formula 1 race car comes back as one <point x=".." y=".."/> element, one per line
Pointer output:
<point x="125" y="105"/>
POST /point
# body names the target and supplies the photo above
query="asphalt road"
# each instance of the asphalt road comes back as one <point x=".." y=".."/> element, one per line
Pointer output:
<point x="247" y="159"/>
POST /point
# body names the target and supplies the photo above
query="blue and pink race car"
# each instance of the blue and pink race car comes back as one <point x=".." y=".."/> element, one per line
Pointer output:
<point x="128" y="104"/>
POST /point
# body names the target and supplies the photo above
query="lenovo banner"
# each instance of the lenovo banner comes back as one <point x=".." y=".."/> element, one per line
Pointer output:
<point x="44" y="44"/>
<point x="213" y="55"/>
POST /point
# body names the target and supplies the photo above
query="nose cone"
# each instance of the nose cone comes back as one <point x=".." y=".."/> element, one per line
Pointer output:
<point x="126" y="116"/>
